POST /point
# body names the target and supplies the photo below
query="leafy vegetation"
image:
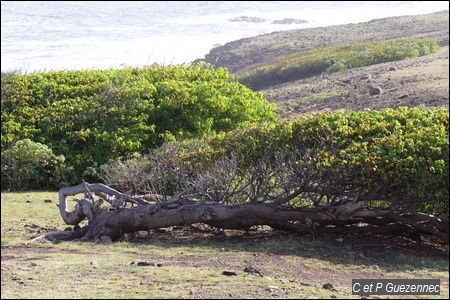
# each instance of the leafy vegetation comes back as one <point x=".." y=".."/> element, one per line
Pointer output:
<point x="92" y="116"/>
<point x="82" y="120"/>
<point x="334" y="58"/>
<point x="400" y="155"/>
<point x="30" y="165"/>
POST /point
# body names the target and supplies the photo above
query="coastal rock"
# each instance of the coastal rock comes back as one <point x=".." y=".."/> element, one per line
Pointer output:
<point x="287" y="21"/>
<point x="248" y="19"/>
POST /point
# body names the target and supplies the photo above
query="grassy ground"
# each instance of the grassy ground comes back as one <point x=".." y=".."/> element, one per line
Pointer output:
<point x="189" y="262"/>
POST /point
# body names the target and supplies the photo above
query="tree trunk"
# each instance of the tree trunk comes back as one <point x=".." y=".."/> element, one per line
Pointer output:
<point x="115" y="220"/>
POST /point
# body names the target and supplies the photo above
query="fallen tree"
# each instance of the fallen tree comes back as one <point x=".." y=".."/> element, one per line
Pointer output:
<point x="126" y="214"/>
<point x="381" y="172"/>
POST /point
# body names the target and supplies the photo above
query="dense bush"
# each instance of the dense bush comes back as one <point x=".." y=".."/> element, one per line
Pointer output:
<point x="396" y="155"/>
<point x="30" y="165"/>
<point x="92" y="116"/>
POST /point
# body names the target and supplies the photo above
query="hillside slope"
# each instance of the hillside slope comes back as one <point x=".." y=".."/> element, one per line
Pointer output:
<point x="412" y="82"/>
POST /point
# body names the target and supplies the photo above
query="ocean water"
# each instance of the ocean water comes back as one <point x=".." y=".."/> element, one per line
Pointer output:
<point x="56" y="35"/>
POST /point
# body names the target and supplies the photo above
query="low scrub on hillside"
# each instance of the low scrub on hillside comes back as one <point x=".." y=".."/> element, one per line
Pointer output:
<point x="334" y="58"/>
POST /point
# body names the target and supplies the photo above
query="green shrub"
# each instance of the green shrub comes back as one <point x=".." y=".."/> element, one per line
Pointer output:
<point x="336" y="67"/>
<point x="30" y="165"/>
<point x="397" y="155"/>
<point x="92" y="116"/>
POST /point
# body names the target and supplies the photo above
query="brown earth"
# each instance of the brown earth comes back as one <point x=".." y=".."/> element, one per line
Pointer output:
<point x="413" y="82"/>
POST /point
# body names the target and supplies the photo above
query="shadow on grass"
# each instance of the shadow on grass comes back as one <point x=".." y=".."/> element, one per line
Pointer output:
<point x="386" y="252"/>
